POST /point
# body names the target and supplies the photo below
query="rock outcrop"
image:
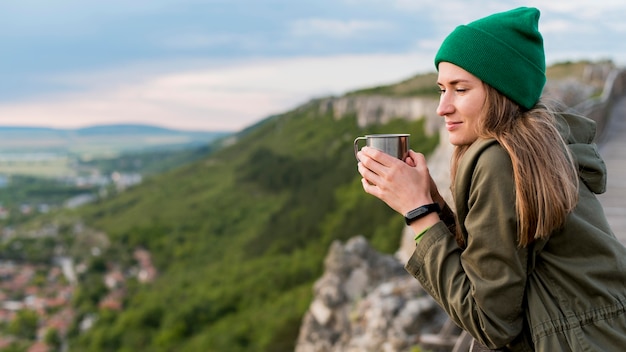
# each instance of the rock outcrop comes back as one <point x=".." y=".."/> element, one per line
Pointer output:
<point x="366" y="301"/>
<point x="378" y="109"/>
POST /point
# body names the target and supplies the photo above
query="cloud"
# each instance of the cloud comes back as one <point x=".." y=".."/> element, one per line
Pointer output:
<point x="214" y="98"/>
<point x="579" y="8"/>
<point x="619" y="27"/>
<point x="201" y="40"/>
<point x="336" y="28"/>
<point x="561" y="26"/>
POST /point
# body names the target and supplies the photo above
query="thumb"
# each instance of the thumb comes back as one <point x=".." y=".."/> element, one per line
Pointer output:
<point x="410" y="159"/>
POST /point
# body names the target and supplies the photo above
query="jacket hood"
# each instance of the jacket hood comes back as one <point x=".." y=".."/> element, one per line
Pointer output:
<point x="579" y="133"/>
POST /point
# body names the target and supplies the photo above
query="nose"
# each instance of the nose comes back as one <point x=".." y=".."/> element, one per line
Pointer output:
<point x="445" y="106"/>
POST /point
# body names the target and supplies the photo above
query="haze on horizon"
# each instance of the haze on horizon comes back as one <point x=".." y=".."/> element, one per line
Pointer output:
<point x="224" y="65"/>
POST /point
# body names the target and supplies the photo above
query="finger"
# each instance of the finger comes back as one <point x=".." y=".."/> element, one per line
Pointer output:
<point x="420" y="161"/>
<point x="369" y="187"/>
<point x="409" y="160"/>
<point x="412" y="153"/>
<point x="367" y="173"/>
<point x="369" y="163"/>
<point x="417" y="157"/>
<point x="379" y="156"/>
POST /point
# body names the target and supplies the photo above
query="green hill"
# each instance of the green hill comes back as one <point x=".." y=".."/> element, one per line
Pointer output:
<point x="238" y="238"/>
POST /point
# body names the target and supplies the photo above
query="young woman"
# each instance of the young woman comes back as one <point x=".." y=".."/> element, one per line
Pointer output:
<point x="528" y="262"/>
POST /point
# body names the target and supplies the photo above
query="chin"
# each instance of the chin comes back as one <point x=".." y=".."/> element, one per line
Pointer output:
<point x="460" y="143"/>
<point x="455" y="141"/>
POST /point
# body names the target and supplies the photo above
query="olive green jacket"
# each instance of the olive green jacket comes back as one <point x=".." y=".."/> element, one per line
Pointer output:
<point x="566" y="293"/>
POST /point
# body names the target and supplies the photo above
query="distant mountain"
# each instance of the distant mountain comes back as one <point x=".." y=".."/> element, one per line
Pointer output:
<point x="26" y="129"/>
<point x="100" y="139"/>
<point x="136" y="129"/>
<point x="125" y="129"/>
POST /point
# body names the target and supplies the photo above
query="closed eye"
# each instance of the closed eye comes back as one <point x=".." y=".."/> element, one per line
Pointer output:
<point x="458" y="90"/>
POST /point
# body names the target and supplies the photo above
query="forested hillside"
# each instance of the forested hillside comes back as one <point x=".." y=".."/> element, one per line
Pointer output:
<point x="239" y="237"/>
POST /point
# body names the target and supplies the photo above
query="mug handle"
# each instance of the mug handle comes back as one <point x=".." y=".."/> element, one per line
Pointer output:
<point x="356" y="146"/>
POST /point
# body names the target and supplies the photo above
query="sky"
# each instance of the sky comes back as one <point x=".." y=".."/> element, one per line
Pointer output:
<point x="222" y="65"/>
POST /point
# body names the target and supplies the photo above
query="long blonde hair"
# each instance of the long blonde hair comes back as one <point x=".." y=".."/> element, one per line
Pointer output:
<point x="545" y="175"/>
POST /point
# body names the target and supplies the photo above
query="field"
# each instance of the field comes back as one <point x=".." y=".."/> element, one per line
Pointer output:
<point x="36" y="164"/>
<point x="50" y="152"/>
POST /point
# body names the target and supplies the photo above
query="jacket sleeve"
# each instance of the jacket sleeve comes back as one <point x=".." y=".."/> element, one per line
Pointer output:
<point x="482" y="286"/>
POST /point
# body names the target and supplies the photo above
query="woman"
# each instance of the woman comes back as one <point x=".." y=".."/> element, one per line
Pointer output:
<point x="528" y="262"/>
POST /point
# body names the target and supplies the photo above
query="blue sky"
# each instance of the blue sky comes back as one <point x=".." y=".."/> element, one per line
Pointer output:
<point x="218" y="64"/>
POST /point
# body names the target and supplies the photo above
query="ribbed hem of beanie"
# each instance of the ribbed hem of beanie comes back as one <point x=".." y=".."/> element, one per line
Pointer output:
<point x="495" y="63"/>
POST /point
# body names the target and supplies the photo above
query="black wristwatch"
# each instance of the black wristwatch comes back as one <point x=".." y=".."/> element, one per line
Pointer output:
<point x="421" y="212"/>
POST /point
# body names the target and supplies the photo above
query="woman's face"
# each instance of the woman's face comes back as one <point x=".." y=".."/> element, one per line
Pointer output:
<point x="461" y="102"/>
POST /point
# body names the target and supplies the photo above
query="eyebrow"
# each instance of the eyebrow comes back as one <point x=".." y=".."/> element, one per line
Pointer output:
<point x="455" y="82"/>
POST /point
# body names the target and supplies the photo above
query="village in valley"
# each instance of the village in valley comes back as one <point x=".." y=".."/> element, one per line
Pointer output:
<point x="36" y="300"/>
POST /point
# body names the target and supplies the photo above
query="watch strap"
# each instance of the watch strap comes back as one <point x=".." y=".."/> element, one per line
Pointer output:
<point x="420" y="212"/>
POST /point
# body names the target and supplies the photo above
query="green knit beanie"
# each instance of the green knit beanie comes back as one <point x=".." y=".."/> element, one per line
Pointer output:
<point x="504" y="50"/>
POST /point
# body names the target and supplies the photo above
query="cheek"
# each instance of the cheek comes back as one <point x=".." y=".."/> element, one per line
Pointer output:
<point x="472" y="122"/>
<point x="472" y="129"/>
<point x="472" y="116"/>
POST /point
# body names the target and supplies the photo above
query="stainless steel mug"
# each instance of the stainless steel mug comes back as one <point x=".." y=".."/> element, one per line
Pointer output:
<point x="393" y="144"/>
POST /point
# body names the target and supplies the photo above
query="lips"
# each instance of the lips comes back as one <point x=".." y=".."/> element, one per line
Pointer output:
<point x="452" y="125"/>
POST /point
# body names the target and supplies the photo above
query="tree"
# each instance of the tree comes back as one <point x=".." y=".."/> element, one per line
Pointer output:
<point x="25" y="324"/>
<point x="53" y="339"/>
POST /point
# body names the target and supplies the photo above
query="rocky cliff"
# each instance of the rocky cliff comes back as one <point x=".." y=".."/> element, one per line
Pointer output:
<point x="377" y="109"/>
<point x="365" y="301"/>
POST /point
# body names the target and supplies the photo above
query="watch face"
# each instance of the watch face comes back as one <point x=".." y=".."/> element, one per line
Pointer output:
<point x="417" y="212"/>
<point x="421" y="211"/>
